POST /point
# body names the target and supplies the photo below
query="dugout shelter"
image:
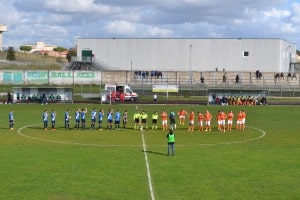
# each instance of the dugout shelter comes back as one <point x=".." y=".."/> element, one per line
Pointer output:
<point x="42" y="94"/>
<point x="231" y="96"/>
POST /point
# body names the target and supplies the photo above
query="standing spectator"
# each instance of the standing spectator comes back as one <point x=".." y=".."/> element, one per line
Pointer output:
<point x="53" y="120"/>
<point x="11" y="120"/>
<point x="154" y="97"/>
<point x="45" y="119"/>
<point x="224" y="78"/>
<point x="237" y="79"/>
<point x="171" y="142"/>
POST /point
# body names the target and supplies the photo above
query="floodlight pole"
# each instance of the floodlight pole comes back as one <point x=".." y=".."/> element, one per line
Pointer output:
<point x="289" y="58"/>
<point x="190" y="65"/>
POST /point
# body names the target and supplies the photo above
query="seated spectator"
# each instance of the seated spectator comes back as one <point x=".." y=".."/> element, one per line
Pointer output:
<point x="224" y="100"/>
<point x="23" y="98"/>
<point x="51" y="98"/>
<point x="58" y="98"/>
<point x="258" y="74"/>
<point x="202" y="79"/>
<point x="289" y="76"/>
<point x="294" y="76"/>
<point x="282" y="75"/>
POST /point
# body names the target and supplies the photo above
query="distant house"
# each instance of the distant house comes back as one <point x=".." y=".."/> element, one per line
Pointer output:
<point x="43" y="49"/>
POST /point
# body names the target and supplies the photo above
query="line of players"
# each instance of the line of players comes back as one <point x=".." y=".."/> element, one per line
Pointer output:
<point x="80" y="119"/>
<point x="140" y="119"/>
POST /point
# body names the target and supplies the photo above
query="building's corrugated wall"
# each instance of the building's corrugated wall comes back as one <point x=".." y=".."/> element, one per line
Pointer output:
<point x="189" y="54"/>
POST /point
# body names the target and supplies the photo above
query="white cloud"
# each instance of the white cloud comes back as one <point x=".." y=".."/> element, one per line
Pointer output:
<point x="120" y="27"/>
<point x="159" y="32"/>
<point x="277" y="13"/>
<point x="61" y="20"/>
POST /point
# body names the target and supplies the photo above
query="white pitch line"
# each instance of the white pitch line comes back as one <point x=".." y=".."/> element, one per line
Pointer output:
<point x="70" y="143"/>
<point x="128" y="145"/>
<point x="227" y="143"/>
<point x="148" y="167"/>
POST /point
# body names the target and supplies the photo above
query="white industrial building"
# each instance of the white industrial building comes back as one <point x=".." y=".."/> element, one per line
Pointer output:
<point x="189" y="54"/>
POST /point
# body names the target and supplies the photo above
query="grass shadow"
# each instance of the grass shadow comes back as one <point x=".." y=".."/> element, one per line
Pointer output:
<point x="154" y="152"/>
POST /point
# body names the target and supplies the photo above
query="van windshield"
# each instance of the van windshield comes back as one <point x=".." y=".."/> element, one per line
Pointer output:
<point x="128" y="90"/>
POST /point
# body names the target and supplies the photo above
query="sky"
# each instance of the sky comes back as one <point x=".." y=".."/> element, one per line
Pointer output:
<point x="61" y="22"/>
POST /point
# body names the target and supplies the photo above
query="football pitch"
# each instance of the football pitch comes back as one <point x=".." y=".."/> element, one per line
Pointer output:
<point x="261" y="162"/>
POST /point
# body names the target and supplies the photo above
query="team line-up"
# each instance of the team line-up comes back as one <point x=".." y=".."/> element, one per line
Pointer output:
<point x="140" y="118"/>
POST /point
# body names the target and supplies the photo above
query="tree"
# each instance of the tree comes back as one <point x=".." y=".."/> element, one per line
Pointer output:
<point x="71" y="53"/>
<point x="298" y="52"/>
<point x="25" y="48"/>
<point x="11" y="54"/>
<point x="59" y="49"/>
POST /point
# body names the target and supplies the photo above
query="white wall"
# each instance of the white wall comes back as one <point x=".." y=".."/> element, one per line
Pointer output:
<point x="176" y="54"/>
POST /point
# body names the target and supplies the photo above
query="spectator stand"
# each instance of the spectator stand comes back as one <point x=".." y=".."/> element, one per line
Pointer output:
<point x="43" y="95"/>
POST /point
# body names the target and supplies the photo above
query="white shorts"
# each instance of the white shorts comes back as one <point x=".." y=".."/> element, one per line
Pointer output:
<point x="200" y="123"/>
<point x="191" y="122"/>
<point x="223" y="122"/>
<point x="239" y="122"/>
<point x="164" y="122"/>
<point x="181" y="117"/>
<point x="229" y="121"/>
<point x="243" y="120"/>
<point x="219" y="122"/>
<point x="207" y="123"/>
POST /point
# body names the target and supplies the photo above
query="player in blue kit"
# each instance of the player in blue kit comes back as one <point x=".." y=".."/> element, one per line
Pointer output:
<point x="45" y="119"/>
<point x="77" y="118"/>
<point x="117" y="120"/>
<point x="82" y="116"/>
<point x="100" y="118"/>
<point x="11" y="120"/>
<point x="93" y="118"/>
<point x="67" y="119"/>
<point x="53" y="119"/>
<point x="110" y="118"/>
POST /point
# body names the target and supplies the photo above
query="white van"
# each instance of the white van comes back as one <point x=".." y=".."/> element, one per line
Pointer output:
<point x="121" y="92"/>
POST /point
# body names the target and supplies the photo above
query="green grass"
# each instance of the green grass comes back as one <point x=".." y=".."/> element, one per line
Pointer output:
<point x="86" y="164"/>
